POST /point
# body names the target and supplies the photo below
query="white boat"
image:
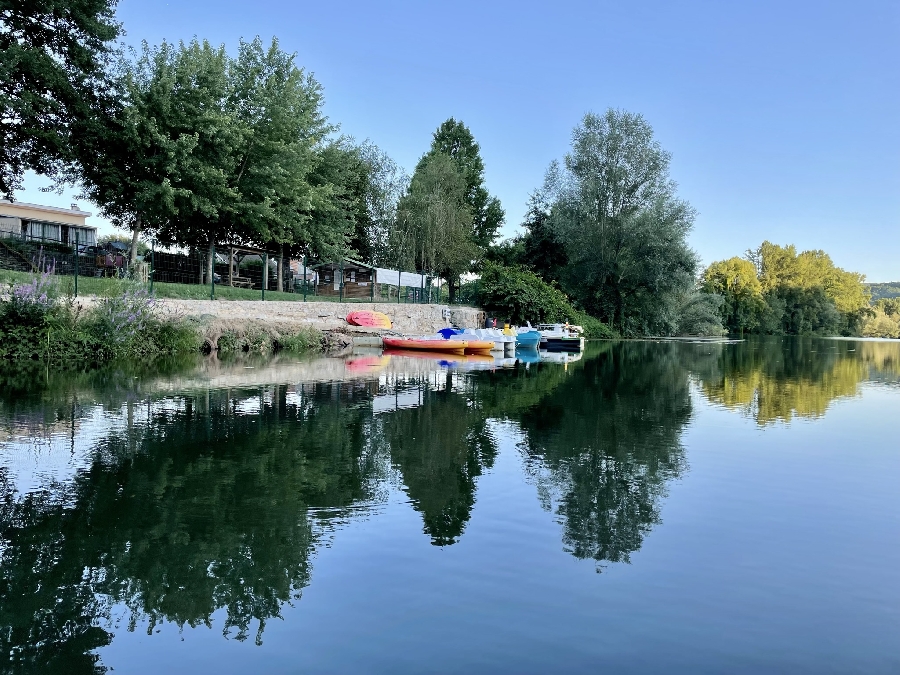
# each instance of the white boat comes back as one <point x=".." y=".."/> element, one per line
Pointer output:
<point x="561" y="337"/>
<point x="502" y="343"/>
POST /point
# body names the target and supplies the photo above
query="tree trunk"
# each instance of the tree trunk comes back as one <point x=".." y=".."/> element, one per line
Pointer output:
<point x="451" y="289"/>
<point x="211" y="262"/>
<point x="199" y="266"/>
<point x="136" y="230"/>
<point x="279" y="285"/>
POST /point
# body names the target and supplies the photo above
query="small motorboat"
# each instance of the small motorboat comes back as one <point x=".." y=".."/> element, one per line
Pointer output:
<point x="433" y="343"/>
<point x="561" y="337"/>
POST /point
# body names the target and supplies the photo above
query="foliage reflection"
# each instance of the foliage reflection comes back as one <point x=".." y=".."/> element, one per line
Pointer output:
<point x="206" y="506"/>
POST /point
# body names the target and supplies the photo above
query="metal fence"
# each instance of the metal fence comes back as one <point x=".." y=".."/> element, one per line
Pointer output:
<point x="32" y="254"/>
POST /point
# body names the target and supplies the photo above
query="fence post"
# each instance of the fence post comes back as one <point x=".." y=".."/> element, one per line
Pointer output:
<point x="372" y="281"/>
<point x="152" y="262"/>
<point x="341" y="269"/>
<point x="76" y="262"/>
<point x="305" y="284"/>
<point x="212" y="276"/>
<point x="265" y="278"/>
<point x="399" y="273"/>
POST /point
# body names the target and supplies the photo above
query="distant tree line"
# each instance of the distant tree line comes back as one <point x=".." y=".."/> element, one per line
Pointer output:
<point x="195" y="147"/>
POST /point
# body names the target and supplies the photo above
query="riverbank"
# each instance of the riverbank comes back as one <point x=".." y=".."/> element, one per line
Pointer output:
<point x="253" y="323"/>
<point x="39" y="322"/>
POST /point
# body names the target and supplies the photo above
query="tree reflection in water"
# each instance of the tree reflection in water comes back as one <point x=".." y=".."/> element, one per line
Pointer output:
<point x="213" y="501"/>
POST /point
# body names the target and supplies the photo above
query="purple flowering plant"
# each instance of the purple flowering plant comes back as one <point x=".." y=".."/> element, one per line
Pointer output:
<point x="34" y="300"/>
<point x="122" y="317"/>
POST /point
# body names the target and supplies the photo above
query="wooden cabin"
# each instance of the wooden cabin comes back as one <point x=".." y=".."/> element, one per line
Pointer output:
<point x="345" y="278"/>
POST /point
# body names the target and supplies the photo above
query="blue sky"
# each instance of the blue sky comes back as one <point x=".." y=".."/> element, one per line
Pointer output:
<point x="783" y="118"/>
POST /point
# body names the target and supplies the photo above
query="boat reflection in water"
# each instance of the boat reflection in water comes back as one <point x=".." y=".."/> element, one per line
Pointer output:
<point x="136" y="502"/>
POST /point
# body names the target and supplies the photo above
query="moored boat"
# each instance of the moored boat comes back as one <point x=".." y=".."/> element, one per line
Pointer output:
<point x="434" y="344"/>
<point x="528" y="337"/>
<point x="479" y="346"/>
<point x="561" y="337"/>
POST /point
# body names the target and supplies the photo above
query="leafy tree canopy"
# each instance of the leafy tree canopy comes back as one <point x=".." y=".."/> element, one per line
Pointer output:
<point x="454" y="139"/>
<point x="614" y="209"/>
<point x="435" y="230"/>
<point x="52" y="75"/>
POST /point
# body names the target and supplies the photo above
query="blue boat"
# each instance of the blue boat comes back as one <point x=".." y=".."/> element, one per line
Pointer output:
<point x="528" y="338"/>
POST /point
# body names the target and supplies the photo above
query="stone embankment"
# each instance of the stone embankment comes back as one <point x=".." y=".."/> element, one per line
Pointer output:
<point x="217" y="317"/>
<point x="326" y="316"/>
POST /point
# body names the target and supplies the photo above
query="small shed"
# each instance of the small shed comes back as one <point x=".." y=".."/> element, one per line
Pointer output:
<point x="345" y="278"/>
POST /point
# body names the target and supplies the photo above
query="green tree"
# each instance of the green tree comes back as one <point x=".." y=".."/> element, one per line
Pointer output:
<point x="812" y="292"/>
<point x="387" y="183"/>
<point x="543" y="252"/>
<point x="454" y="139"/>
<point x="366" y="185"/>
<point x="435" y="231"/>
<point x="52" y="77"/>
<point x="277" y="108"/>
<point x="624" y="230"/>
<point x="736" y="282"/>
<point x="146" y="162"/>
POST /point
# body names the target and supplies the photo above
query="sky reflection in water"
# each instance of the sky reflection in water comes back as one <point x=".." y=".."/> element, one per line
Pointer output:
<point x="398" y="515"/>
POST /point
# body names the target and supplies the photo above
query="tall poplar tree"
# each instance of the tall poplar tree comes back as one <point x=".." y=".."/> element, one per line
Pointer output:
<point x="616" y="212"/>
<point x="454" y="139"/>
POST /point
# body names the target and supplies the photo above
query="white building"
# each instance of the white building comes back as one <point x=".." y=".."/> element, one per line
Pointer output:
<point x="46" y="223"/>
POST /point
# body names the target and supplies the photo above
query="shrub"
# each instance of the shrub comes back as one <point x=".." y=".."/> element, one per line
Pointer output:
<point x="121" y="318"/>
<point x="519" y="296"/>
<point x="304" y="340"/>
<point x="594" y="328"/>
<point x="699" y="313"/>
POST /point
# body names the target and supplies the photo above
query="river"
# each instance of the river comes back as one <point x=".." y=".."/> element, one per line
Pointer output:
<point x="654" y="507"/>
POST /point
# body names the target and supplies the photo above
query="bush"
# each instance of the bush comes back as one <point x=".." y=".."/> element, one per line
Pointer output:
<point x="36" y="323"/>
<point x="594" y="328"/>
<point x="700" y="314"/>
<point x="304" y="340"/>
<point x="519" y="295"/>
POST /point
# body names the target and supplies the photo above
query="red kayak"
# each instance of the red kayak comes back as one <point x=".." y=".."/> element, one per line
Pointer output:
<point x="438" y="345"/>
<point x="368" y="318"/>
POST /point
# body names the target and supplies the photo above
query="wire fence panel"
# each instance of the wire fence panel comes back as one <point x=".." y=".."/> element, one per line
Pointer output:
<point x="23" y="253"/>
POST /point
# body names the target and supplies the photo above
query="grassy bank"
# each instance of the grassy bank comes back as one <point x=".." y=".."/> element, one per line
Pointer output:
<point x="104" y="287"/>
<point x="40" y="321"/>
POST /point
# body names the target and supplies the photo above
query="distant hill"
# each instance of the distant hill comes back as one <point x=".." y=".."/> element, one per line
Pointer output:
<point x="888" y="290"/>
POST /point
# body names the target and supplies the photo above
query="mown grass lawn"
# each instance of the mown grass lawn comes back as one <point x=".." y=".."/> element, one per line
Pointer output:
<point x="106" y="287"/>
<point x="102" y="286"/>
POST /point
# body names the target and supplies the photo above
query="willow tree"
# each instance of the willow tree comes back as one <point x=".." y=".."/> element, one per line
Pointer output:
<point x="435" y="231"/>
<point x="615" y="211"/>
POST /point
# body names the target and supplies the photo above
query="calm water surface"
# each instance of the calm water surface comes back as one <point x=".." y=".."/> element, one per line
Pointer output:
<point x="655" y="507"/>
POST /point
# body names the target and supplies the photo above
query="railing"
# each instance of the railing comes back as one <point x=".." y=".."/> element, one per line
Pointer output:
<point x="22" y="253"/>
